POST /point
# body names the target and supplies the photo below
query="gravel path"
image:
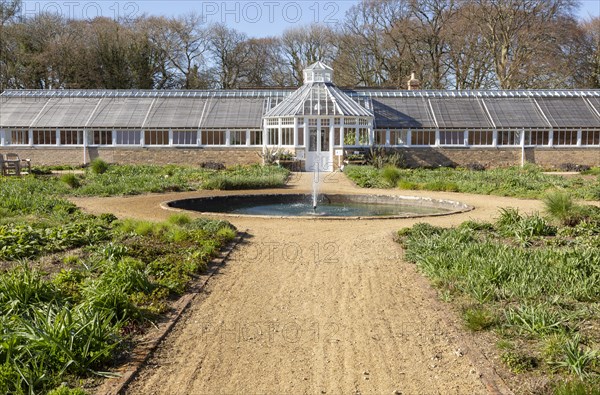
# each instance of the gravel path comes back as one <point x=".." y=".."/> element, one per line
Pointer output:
<point x="325" y="307"/>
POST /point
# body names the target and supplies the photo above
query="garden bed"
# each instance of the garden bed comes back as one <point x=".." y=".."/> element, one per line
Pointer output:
<point x="535" y="285"/>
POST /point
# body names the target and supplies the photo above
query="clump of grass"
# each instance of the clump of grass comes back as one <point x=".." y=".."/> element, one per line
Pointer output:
<point x="577" y="357"/>
<point x="478" y="318"/>
<point x="99" y="166"/>
<point x="390" y="175"/>
<point x="408" y="185"/>
<point x="560" y="205"/>
<point x="518" y="362"/>
<point x="537" y="320"/>
<point x="65" y="390"/>
<point x="577" y="387"/>
<point x="179" y="219"/>
<point x="71" y="180"/>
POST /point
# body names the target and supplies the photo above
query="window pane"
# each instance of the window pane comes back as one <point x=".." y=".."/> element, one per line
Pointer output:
<point x="128" y="137"/>
<point x="312" y="140"/>
<point x="44" y="137"/>
<point x="237" y="137"/>
<point x="256" y="137"/>
<point x="101" y="137"/>
<point x="184" y="137"/>
<point x="481" y="137"/>
<point x="350" y="136"/>
<point x="71" y="137"/>
<point x="325" y="139"/>
<point x="423" y="137"/>
<point x="213" y="137"/>
<point x="287" y="136"/>
<point x="156" y="137"/>
<point x="380" y="137"/>
<point x="18" y="137"/>
<point x="398" y="137"/>
<point x="452" y="137"/>
<point x="590" y="137"/>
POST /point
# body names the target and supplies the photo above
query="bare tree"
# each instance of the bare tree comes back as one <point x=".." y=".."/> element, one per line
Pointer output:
<point x="185" y="43"/>
<point x="305" y="45"/>
<point x="515" y="33"/>
<point x="380" y="33"/>
<point x="431" y="36"/>
<point x="230" y="53"/>
<point x="265" y="65"/>
<point x="469" y="62"/>
<point x="589" y="75"/>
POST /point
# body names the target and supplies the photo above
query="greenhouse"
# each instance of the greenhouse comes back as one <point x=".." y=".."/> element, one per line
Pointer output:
<point x="318" y="124"/>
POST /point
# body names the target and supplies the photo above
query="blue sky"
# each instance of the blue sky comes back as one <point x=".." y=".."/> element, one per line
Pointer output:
<point x="258" y="18"/>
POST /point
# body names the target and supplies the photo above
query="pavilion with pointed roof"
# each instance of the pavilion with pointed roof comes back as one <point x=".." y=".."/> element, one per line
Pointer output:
<point x="320" y="114"/>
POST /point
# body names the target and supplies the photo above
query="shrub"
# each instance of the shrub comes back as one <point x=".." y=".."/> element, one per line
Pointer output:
<point x="379" y="157"/>
<point x="99" y="166"/>
<point x="71" y="180"/>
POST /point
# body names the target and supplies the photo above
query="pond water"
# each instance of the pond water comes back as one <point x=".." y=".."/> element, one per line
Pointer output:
<point x="295" y="205"/>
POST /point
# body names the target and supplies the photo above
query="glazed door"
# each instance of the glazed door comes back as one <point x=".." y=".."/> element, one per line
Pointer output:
<point x="318" y="150"/>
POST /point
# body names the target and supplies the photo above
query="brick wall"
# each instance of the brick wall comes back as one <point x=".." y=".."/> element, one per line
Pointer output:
<point x="502" y="157"/>
<point x="183" y="156"/>
<point x="490" y="157"/>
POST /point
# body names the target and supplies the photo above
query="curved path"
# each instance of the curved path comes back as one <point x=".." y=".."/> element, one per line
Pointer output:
<point x="325" y="307"/>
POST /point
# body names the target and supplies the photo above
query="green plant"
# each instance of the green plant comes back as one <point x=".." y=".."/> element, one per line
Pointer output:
<point x="543" y="294"/>
<point x="390" y="174"/>
<point x="577" y="387"/>
<point x="64" y="390"/>
<point x="402" y="184"/>
<point x="537" y="320"/>
<point x="527" y="182"/>
<point x="71" y="180"/>
<point x="99" y="166"/>
<point x="560" y="205"/>
<point x="179" y="219"/>
<point x="478" y="318"/>
<point x="577" y="358"/>
<point x="380" y="158"/>
<point x="518" y="362"/>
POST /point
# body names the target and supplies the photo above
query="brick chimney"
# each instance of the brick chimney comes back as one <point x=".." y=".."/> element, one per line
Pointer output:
<point x="413" y="83"/>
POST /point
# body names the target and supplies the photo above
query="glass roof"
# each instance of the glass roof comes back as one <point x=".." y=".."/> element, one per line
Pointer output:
<point x="318" y="98"/>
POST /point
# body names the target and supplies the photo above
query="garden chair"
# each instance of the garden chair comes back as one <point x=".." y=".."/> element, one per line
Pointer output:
<point x="12" y="165"/>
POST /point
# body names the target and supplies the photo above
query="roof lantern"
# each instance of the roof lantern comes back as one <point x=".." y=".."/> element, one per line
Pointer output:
<point x="318" y="72"/>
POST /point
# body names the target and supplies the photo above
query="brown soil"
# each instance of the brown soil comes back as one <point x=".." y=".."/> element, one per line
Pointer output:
<point x="306" y="307"/>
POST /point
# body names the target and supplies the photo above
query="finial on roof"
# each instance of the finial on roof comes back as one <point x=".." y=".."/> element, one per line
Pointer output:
<point x="413" y="83"/>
